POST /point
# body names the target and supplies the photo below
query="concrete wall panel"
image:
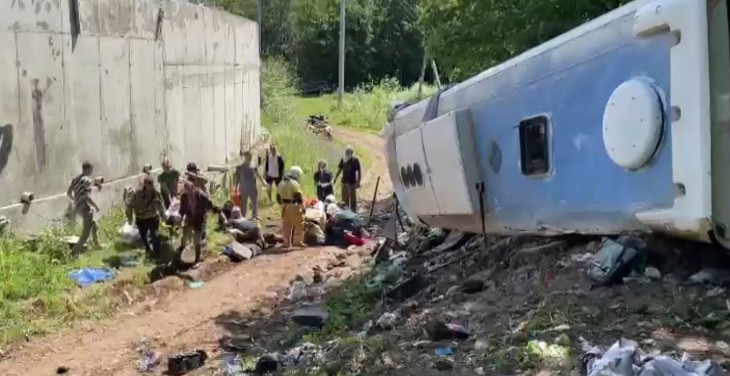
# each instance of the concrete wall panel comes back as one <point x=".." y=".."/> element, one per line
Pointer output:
<point x="120" y="149"/>
<point x="42" y="111"/>
<point x="83" y="101"/>
<point x="11" y="156"/>
<point x="142" y="72"/>
<point x="192" y="120"/>
<point x="117" y="96"/>
<point x="115" y="17"/>
<point x="31" y="15"/>
<point x="175" y="106"/>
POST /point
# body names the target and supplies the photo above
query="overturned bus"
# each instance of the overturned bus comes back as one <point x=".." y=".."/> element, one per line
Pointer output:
<point x="621" y="124"/>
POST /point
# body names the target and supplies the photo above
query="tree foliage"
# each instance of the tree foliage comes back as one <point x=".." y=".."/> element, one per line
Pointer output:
<point x="382" y="38"/>
<point x="386" y="38"/>
<point x="468" y="36"/>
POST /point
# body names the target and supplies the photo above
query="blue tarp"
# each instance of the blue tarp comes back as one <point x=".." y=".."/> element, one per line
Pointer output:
<point x="88" y="276"/>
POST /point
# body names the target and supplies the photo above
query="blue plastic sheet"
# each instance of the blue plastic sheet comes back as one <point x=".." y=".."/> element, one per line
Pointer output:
<point x="88" y="276"/>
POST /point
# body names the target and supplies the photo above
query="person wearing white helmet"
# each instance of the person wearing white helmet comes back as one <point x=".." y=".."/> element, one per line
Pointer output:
<point x="289" y="195"/>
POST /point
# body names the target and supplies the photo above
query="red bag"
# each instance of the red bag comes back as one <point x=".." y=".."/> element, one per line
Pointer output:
<point x="353" y="240"/>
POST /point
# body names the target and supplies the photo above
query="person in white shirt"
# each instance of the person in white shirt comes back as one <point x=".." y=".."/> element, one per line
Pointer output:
<point x="274" y="168"/>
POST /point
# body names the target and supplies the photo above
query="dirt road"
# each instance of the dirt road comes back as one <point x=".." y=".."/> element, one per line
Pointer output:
<point x="185" y="320"/>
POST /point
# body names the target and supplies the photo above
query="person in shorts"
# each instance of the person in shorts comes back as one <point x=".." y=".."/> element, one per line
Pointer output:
<point x="273" y="169"/>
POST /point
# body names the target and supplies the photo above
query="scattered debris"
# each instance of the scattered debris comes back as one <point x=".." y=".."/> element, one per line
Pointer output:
<point x="180" y="364"/>
<point x="310" y="317"/>
<point x="387" y="321"/>
<point x="149" y="361"/>
<point x="88" y="276"/>
<point x="195" y="284"/>
<point x="319" y="125"/>
<point x="472" y="286"/>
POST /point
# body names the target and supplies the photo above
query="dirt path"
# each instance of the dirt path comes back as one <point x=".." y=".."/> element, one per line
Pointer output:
<point x="188" y="319"/>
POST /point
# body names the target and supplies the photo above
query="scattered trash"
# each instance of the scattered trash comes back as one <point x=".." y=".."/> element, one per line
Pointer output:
<point x="238" y="252"/>
<point x="652" y="273"/>
<point x="443" y="364"/>
<point x="149" y="361"/>
<point x="88" y="276"/>
<point x="62" y="370"/>
<point x="128" y="261"/>
<point x="472" y="286"/>
<point x="129" y="234"/>
<point x="266" y="364"/>
<point x="439" y="331"/>
<point x="311" y="317"/>
<point x="195" y="284"/>
<point x="614" y="260"/>
<point x="387" y="321"/>
<point x="444" y="351"/>
<point x="233" y="367"/>
<point x="297" y="291"/>
<point x="624" y="358"/>
<point x="711" y="276"/>
<point x="180" y="364"/>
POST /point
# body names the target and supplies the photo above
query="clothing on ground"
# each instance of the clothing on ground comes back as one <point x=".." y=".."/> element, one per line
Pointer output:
<point x="88" y="276"/>
<point x="351" y="172"/>
<point x="145" y="203"/>
<point x="194" y="207"/>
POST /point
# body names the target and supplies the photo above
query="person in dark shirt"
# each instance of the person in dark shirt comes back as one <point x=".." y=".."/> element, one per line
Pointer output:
<point x="349" y="167"/>
<point x="323" y="181"/>
<point x="169" y="179"/>
<point x="194" y="207"/>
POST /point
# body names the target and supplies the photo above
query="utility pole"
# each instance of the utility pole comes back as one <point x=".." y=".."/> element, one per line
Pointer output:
<point x="423" y="74"/>
<point x="258" y="24"/>
<point x="436" y="74"/>
<point x="341" y="88"/>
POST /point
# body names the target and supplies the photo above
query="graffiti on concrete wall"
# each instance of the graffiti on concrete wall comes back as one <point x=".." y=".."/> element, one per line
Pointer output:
<point x="6" y="145"/>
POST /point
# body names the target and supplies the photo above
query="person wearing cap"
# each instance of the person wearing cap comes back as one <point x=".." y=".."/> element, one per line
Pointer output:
<point x="193" y="174"/>
<point x="289" y="195"/>
<point x="349" y="167"/>
<point x="145" y="207"/>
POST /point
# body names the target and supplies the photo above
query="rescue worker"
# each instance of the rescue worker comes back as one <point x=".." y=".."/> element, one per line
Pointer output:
<point x="289" y="195"/>
<point x="194" y="207"/>
<point x="145" y="207"/>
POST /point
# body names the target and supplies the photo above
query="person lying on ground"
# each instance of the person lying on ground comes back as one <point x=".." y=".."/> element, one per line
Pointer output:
<point x="323" y="181"/>
<point x="194" y="208"/>
<point x="79" y="192"/>
<point x="242" y="229"/>
<point x="274" y="169"/>
<point x="145" y="207"/>
<point x="169" y="180"/>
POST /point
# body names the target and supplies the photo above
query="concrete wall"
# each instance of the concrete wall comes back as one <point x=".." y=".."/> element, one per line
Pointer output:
<point x="119" y="93"/>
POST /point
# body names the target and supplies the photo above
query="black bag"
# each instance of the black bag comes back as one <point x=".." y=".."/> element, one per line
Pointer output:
<point x="614" y="260"/>
<point x="180" y="364"/>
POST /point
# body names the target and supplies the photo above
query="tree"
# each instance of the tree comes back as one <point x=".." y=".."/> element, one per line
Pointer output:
<point x="469" y="36"/>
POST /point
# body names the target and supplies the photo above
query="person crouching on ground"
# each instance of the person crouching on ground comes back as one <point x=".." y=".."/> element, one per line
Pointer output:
<point x="145" y="206"/>
<point x="349" y="167"/>
<point x="323" y="181"/>
<point x="169" y="179"/>
<point x="274" y="169"/>
<point x="247" y="174"/>
<point x="79" y="191"/>
<point x="194" y="207"/>
<point x="289" y="196"/>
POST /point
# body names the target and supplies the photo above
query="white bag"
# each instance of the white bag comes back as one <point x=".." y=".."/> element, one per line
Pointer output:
<point x="130" y="234"/>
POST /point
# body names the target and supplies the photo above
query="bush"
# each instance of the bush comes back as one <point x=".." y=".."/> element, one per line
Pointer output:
<point x="365" y="108"/>
<point x="287" y="128"/>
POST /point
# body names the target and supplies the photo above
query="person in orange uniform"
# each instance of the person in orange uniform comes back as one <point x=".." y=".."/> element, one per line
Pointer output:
<point x="289" y="196"/>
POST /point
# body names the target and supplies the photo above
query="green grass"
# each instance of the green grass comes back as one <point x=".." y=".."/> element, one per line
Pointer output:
<point x="366" y="108"/>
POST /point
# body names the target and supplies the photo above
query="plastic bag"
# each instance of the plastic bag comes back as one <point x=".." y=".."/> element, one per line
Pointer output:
<point x="130" y="234"/>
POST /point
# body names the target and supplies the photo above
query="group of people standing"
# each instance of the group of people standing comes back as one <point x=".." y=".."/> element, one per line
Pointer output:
<point x="146" y="205"/>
